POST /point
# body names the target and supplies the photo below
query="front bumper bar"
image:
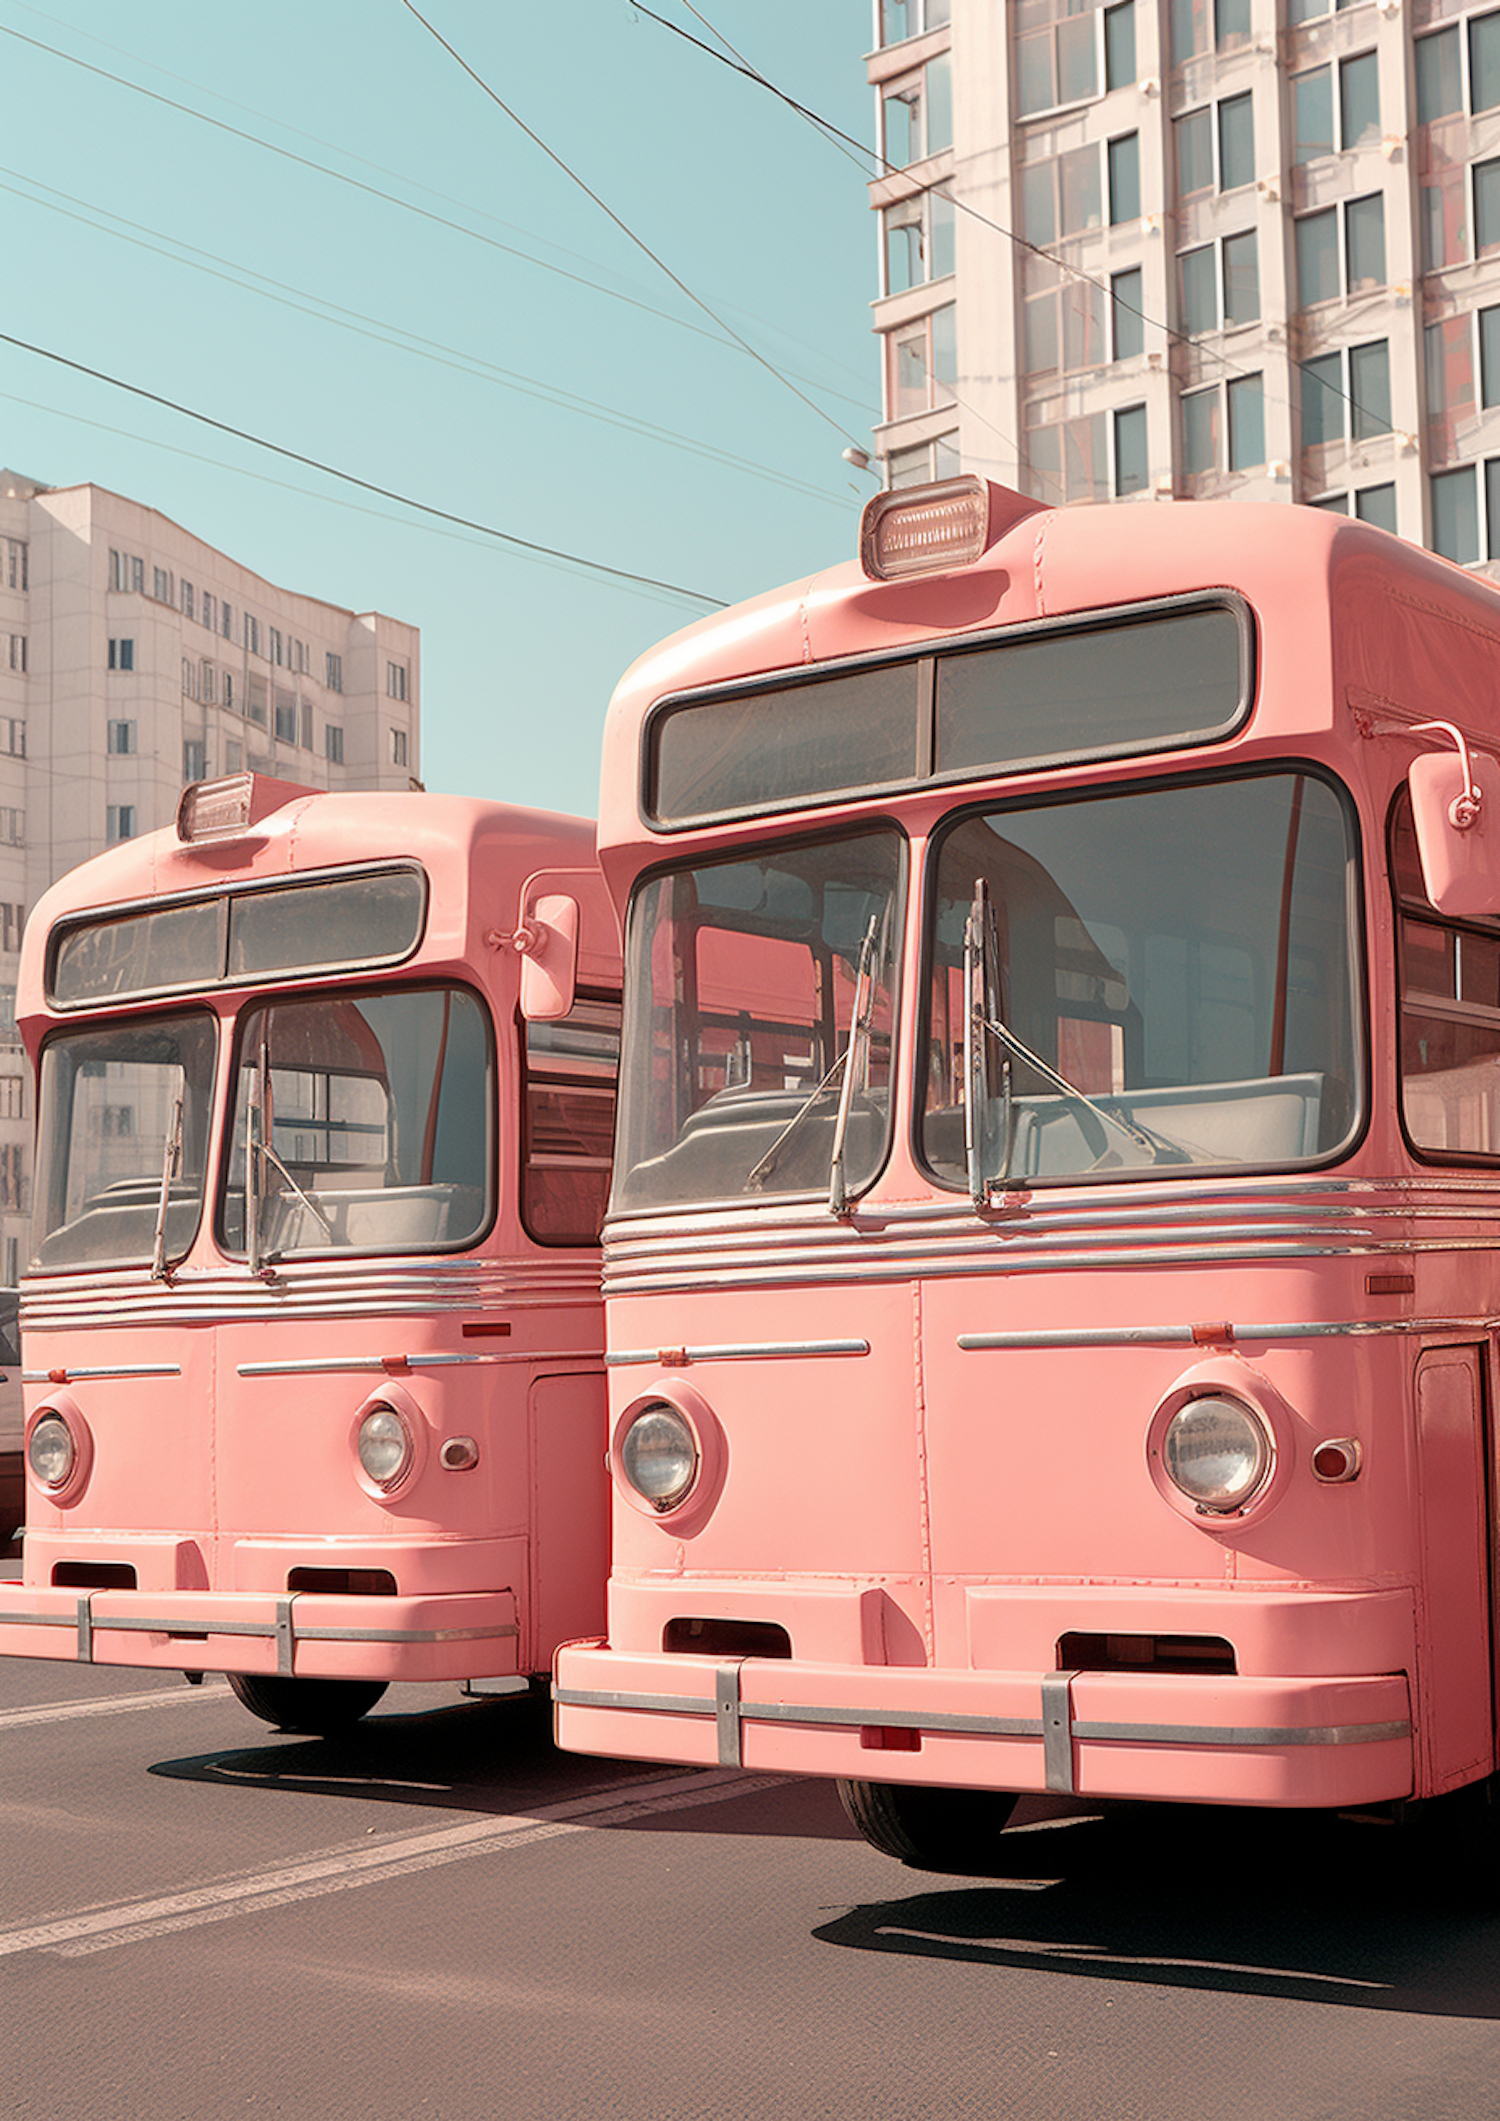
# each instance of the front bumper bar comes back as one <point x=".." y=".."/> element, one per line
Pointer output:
<point x="303" y="1634"/>
<point x="1186" y="1737"/>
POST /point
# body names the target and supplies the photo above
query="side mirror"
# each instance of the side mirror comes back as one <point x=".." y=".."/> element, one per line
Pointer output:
<point x="548" y="941"/>
<point x="1455" y="807"/>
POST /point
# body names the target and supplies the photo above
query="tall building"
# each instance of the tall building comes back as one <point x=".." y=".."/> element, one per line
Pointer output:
<point x="135" y="658"/>
<point x="1197" y="248"/>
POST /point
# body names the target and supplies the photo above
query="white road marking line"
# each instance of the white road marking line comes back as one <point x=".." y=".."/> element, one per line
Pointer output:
<point x="100" y="1929"/>
<point x="111" y="1705"/>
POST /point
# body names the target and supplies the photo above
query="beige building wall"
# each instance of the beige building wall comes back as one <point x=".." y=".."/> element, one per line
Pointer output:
<point x="1197" y="247"/>
<point x="135" y="658"/>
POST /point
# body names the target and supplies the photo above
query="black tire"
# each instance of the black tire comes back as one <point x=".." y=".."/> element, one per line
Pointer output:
<point x="320" y="1706"/>
<point x="930" y="1829"/>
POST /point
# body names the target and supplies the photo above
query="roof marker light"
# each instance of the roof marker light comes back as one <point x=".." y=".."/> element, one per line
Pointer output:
<point x="222" y="810"/>
<point x="925" y="529"/>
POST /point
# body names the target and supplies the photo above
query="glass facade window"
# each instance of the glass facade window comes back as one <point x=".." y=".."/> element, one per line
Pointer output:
<point x="1236" y="142"/>
<point x="1486" y="208"/>
<point x="1198" y="290"/>
<point x="1364" y="228"/>
<point x="1200" y="432"/>
<point x="1484" y="62"/>
<point x="1132" y="461"/>
<point x="1317" y="245"/>
<point x="1119" y="45"/>
<point x="1377" y="505"/>
<point x="1359" y="101"/>
<point x="1312" y="114"/>
<point x="1370" y="389"/>
<point x="1127" y="314"/>
<point x="1455" y="513"/>
<point x="1241" y="279"/>
<point x="1124" y="179"/>
<point x="1322" y="400"/>
<point x="1194" y="138"/>
<point x="1439" y="76"/>
<point x="1247" y="423"/>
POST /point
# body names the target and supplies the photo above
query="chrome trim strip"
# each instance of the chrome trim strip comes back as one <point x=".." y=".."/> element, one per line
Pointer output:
<point x="1246" y="1735"/>
<point x="125" y="1369"/>
<point x="1240" y="1735"/>
<point x="86" y="1629"/>
<point x="1192" y="1336"/>
<point x="731" y="1351"/>
<point x="1057" y="1732"/>
<point x="283" y="1629"/>
<point x="727" y="1712"/>
<point x="327" y="1366"/>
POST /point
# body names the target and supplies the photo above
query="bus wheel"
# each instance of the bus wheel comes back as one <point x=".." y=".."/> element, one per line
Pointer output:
<point x="931" y="1829"/>
<point x="321" y="1706"/>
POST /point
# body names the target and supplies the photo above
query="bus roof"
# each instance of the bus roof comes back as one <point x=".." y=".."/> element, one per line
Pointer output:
<point x="1325" y="588"/>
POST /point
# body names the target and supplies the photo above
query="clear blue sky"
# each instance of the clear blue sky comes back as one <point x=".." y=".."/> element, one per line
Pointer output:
<point x="563" y="391"/>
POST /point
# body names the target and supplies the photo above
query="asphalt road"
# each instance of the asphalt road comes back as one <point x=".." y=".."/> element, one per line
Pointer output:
<point x="442" y="1916"/>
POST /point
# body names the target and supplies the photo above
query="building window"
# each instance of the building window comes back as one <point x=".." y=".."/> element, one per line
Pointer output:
<point x="1219" y="280"/>
<point x="1323" y="271"/>
<point x="15" y="564"/>
<point x="17" y="653"/>
<point x="122" y="655"/>
<point x="398" y="747"/>
<point x="119" y="822"/>
<point x="333" y="668"/>
<point x="13" y="827"/>
<point x="1225" y="131"/>
<point x="187" y="599"/>
<point x="920" y="465"/>
<point x="918" y="241"/>
<point x="1127" y="318"/>
<point x="194" y="759"/>
<point x="229" y="688"/>
<point x="1061" y="196"/>
<point x="395" y="681"/>
<point x="1132" y="463"/>
<point x="900" y="19"/>
<point x="234" y="757"/>
<point x="1056" y="65"/>
<point x="333" y="743"/>
<point x="1313" y="108"/>
<point x="1442" y="90"/>
<point x="119" y="574"/>
<point x="210" y="684"/>
<point x="1449" y="361"/>
<point x="1069" y="460"/>
<point x="190" y="681"/>
<point x="1224" y="427"/>
<point x="1065" y="328"/>
<point x="13" y="736"/>
<point x="277" y="647"/>
<point x="1357" y="380"/>
<point x="922" y="368"/>
<point x="286" y="716"/>
<point x="1197" y="26"/>
<point x="121" y="738"/>
<point x="161" y="585"/>
<point x="210" y="611"/>
<point x="12" y="1096"/>
<point x="916" y="114"/>
<point x="252" y="634"/>
<point x="226" y="621"/>
<point x="257" y="700"/>
<point x="1124" y="179"/>
<point x="1119" y="45"/>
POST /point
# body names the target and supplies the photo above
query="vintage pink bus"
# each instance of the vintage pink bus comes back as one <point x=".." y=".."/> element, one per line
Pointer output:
<point x="312" y="1331"/>
<point x="1054" y="1256"/>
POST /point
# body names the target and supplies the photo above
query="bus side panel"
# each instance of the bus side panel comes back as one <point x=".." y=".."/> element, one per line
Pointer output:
<point x="569" y="1513"/>
<point x="1456" y="1714"/>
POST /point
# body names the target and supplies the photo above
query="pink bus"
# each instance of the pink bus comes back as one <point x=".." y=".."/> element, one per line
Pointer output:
<point x="312" y="1331"/>
<point x="1051" y="1276"/>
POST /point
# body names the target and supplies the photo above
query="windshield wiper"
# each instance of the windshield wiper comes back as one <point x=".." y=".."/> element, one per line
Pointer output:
<point x="981" y="956"/>
<point x="171" y="1154"/>
<point x="258" y="1152"/>
<point x="856" y="1044"/>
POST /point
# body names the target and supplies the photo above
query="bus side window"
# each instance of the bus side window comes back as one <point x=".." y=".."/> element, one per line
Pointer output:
<point x="568" y="1117"/>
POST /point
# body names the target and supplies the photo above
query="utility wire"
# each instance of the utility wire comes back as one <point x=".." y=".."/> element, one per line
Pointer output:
<point x="1037" y="250"/>
<point x="624" y="228"/>
<point x="383" y="333"/>
<point x="385" y="493"/>
<point x="373" y="191"/>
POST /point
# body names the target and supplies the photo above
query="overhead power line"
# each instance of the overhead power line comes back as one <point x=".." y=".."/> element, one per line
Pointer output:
<point x="625" y="229"/>
<point x="385" y="493"/>
<point x="885" y="168"/>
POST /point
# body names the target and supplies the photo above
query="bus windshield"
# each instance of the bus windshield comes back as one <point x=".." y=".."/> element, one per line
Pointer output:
<point x="1177" y="960"/>
<point x="361" y="1123"/>
<point x="122" y="1141"/>
<point x="758" y="1043"/>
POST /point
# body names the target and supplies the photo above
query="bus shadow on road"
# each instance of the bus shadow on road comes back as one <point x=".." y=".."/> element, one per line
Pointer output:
<point x="1317" y="1909"/>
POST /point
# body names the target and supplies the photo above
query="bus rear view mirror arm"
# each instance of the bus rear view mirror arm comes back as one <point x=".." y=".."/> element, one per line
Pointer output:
<point x="1455" y="803"/>
<point x="547" y="939"/>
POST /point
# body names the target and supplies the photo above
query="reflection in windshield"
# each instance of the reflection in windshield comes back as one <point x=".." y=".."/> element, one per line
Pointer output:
<point x="107" y="1104"/>
<point x="362" y="1124"/>
<point x="745" y="997"/>
<point x="1179" y="961"/>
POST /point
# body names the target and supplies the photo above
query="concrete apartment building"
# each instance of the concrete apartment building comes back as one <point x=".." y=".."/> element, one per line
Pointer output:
<point x="1264" y="253"/>
<point x="135" y="658"/>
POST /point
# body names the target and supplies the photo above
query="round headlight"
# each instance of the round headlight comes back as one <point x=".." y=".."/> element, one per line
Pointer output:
<point x="659" y="1454"/>
<point x="384" y="1446"/>
<point x="51" y="1452"/>
<point x="1217" y="1452"/>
